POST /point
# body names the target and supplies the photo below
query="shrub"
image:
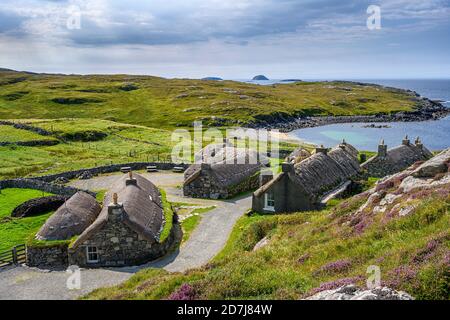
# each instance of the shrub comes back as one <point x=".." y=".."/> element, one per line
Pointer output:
<point x="185" y="292"/>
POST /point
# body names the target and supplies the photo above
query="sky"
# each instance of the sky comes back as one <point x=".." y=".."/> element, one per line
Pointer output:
<point x="232" y="39"/>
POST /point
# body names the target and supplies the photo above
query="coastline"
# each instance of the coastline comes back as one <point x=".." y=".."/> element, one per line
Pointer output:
<point x="426" y="109"/>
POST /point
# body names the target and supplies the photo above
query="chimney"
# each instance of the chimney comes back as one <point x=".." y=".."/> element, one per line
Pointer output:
<point x="418" y="143"/>
<point x="130" y="180"/>
<point x="265" y="176"/>
<point x="382" y="149"/>
<point x="406" y="141"/>
<point x="115" y="209"/>
<point x="343" y="144"/>
<point x="321" y="149"/>
<point x="287" y="167"/>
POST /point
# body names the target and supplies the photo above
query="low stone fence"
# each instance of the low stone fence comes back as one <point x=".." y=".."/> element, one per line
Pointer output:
<point x="43" y="186"/>
<point x="32" y="143"/>
<point x="48" y="257"/>
<point x="24" y="126"/>
<point x="111" y="168"/>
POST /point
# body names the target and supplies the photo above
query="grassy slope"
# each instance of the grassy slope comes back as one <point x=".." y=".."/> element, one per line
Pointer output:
<point x="122" y="144"/>
<point x="15" y="231"/>
<point x="167" y="103"/>
<point x="11" y="134"/>
<point x="309" y="250"/>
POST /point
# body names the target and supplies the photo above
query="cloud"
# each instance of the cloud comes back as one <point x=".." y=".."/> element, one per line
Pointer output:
<point x="196" y="36"/>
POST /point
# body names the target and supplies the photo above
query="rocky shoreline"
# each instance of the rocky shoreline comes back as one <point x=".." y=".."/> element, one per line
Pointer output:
<point x="426" y="110"/>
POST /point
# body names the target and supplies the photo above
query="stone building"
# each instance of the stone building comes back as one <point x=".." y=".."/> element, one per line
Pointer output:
<point x="223" y="172"/>
<point x="302" y="186"/>
<point x="387" y="162"/>
<point x="126" y="231"/>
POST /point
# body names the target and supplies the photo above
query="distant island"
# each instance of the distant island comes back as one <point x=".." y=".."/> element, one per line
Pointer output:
<point x="212" y="78"/>
<point x="291" y="80"/>
<point x="260" y="77"/>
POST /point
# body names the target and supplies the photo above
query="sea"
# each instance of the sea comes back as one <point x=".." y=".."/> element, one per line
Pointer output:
<point x="434" y="134"/>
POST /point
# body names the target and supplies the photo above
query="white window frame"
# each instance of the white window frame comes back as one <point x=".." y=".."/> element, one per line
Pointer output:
<point x="88" y="253"/>
<point x="268" y="207"/>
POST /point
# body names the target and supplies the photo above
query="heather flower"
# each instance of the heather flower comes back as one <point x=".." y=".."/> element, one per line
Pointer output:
<point x="401" y="275"/>
<point x="185" y="292"/>
<point x="427" y="252"/>
<point x="331" y="285"/>
<point x="335" y="267"/>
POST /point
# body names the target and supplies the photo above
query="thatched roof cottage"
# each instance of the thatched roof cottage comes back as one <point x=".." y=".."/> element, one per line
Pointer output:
<point x="126" y="230"/>
<point x="222" y="171"/>
<point x="302" y="186"/>
<point x="387" y="162"/>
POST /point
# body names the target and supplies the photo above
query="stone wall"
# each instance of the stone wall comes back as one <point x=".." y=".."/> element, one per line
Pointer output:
<point x="32" y="143"/>
<point x="111" y="168"/>
<point x="47" y="257"/>
<point x="119" y="245"/>
<point x="24" y="126"/>
<point x="41" y="185"/>
<point x="204" y="186"/>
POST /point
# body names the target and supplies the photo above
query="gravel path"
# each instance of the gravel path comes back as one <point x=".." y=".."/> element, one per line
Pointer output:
<point x="204" y="243"/>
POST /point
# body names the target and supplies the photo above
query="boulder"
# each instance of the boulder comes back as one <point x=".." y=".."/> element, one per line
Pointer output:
<point x="434" y="166"/>
<point x="352" y="292"/>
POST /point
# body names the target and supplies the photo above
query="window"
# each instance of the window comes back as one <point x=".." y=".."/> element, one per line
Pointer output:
<point x="92" y="254"/>
<point x="269" y="201"/>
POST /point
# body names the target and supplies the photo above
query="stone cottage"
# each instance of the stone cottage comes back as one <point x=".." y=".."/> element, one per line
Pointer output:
<point x="302" y="186"/>
<point x="126" y="231"/>
<point x="387" y="162"/>
<point x="223" y="172"/>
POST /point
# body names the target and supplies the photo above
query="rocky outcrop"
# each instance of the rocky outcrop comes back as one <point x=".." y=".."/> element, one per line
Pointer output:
<point x="425" y="109"/>
<point x="398" y="195"/>
<point x="352" y="292"/>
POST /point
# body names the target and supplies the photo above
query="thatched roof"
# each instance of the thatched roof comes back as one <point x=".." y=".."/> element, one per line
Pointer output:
<point x="298" y="155"/>
<point x="408" y="153"/>
<point x="402" y="156"/>
<point x="323" y="171"/>
<point x="227" y="165"/>
<point x="71" y="219"/>
<point x="142" y="206"/>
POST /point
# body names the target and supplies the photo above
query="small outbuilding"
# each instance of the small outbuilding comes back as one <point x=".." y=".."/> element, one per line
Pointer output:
<point x="387" y="162"/>
<point x="302" y="186"/>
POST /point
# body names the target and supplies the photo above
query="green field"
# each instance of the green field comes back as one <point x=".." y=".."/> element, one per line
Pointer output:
<point x="15" y="231"/>
<point x="311" y="250"/>
<point x="11" y="134"/>
<point x="168" y="103"/>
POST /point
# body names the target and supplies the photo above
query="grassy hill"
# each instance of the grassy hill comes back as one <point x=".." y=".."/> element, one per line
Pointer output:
<point x="407" y="235"/>
<point x="168" y="103"/>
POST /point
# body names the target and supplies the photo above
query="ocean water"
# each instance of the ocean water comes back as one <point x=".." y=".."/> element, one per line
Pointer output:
<point x="434" y="134"/>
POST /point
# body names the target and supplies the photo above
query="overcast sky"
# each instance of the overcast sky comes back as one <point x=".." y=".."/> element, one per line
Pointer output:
<point x="233" y="39"/>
